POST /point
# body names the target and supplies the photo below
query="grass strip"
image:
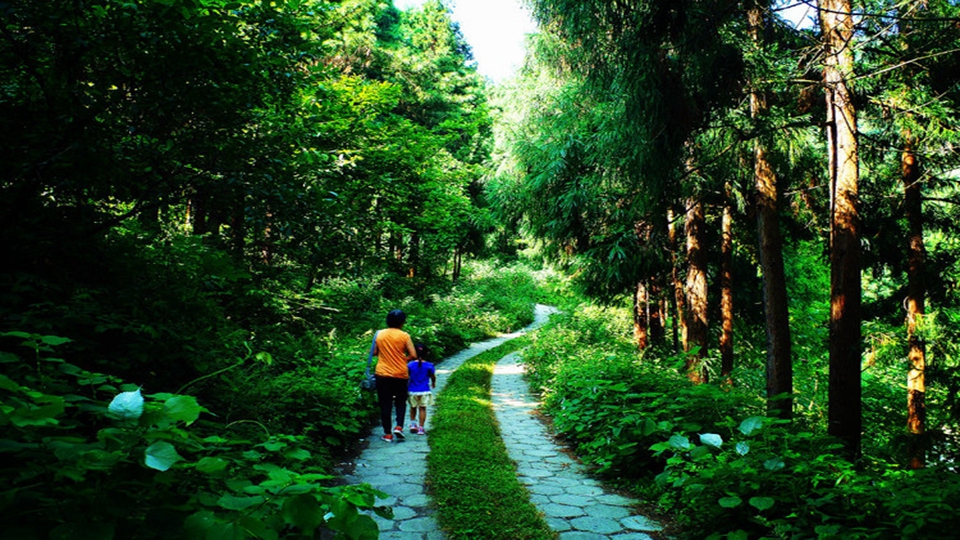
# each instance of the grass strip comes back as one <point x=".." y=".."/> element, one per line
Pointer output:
<point x="471" y="478"/>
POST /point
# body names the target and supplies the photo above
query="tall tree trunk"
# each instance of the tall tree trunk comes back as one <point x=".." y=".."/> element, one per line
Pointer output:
<point x="776" y="311"/>
<point x="641" y="315"/>
<point x="911" y="172"/>
<point x="199" y="203"/>
<point x="916" y="353"/>
<point x="844" y="395"/>
<point x="656" y="311"/>
<point x="679" y="297"/>
<point x="696" y="335"/>
<point x="726" y="291"/>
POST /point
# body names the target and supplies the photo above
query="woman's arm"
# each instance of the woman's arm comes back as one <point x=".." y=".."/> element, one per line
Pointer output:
<point x="411" y="350"/>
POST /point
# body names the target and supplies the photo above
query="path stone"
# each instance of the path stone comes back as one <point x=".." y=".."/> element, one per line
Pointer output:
<point x="399" y="469"/>
<point x="575" y="505"/>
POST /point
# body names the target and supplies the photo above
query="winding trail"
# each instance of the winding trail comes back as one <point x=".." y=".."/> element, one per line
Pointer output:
<point x="575" y="506"/>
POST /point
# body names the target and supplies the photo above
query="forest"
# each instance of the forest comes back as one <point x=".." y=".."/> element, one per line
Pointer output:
<point x="749" y="224"/>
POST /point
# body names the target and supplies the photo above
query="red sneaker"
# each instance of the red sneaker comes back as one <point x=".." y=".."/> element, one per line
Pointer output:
<point x="398" y="432"/>
<point x="387" y="438"/>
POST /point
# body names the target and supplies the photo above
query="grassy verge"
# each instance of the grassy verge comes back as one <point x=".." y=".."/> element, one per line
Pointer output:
<point x="471" y="477"/>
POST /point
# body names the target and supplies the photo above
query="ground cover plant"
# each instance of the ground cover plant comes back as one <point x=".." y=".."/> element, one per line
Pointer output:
<point x="89" y="456"/>
<point x="471" y="478"/>
<point x="708" y="456"/>
<point x="245" y="450"/>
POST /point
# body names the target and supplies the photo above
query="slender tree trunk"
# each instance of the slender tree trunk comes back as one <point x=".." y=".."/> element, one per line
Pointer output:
<point x="696" y="335"/>
<point x="396" y="250"/>
<point x="199" y="203"/>
<point x="655" y="309"/>
<point x="413" y="262"/>
<point x="215" y="222"/>
<point x="844" y="395"/>
<point x="641" y="315"/>
<point x="726" y="291"/>
<point x="457" y="262"/>
<point x="775" y="307"/>
<point x="916" y="352"/>
<point x="911" y="172"/>
<point x="679" y="297"/>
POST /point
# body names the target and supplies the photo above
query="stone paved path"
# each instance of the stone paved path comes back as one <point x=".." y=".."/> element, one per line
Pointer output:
<point x="574" y="505"/>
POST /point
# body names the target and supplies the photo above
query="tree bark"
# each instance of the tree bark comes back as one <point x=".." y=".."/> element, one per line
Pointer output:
<point x="844" y="418"/>
<point x="916" y="348"/>
<point x="641" y="315"/>
<point x="199" y="203"/>
<point x="776" y="311"/>
<point x="656" y="311"/>
<point x="457" y="261"/>
<point x="696" y="334"/>
<point x="679" y="297"/>
<point x="726" y="291"/>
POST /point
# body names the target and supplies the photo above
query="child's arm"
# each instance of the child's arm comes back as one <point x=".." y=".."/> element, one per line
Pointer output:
<point x="433" y="378"/>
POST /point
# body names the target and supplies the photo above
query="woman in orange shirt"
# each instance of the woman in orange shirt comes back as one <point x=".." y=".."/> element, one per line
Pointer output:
<point x="393" y="350"/>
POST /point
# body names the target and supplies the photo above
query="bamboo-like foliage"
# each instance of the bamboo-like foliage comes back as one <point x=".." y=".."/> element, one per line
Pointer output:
<point x="655" y="106"/>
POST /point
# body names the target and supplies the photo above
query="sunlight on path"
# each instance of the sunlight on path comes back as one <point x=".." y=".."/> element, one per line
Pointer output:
<point x="399" y="469"/>
<point x="575" y="505"/>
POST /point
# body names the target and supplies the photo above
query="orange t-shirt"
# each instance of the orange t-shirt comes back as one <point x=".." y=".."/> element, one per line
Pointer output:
<point x="392" y="353"/>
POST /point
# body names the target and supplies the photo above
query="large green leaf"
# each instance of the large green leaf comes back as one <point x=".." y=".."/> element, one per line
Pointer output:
<point x="233" y="502"/>
<point x="730" y="502"/>
<point x="42" y="412"/>
<point x="711" y="439"/>
<point x="127" y="405"/>
<point x="161" y="455"/>
<point x="680" y="442"/>
<point x="751" y="425"/>
<point x="182" y="408"/>
<point x="303" y="512"/>
<point x="212" y="465"/>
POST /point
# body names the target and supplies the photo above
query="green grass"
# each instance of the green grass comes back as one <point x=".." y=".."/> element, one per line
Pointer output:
<point x="471" y="478"/>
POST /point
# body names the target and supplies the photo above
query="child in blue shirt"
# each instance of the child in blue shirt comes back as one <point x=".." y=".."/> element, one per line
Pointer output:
<point x="423" y="377"/>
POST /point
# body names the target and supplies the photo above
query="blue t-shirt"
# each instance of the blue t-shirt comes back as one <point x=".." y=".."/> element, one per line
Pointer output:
<point x="420" y="376"/>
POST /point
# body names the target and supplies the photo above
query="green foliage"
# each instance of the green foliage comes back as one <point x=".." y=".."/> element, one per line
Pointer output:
<point x="613" y="406"/>
<point x="711" y="463"/>
<point x="149" y="466"/>
<point x="762" y="477"/>
<point x="472" y="479"/>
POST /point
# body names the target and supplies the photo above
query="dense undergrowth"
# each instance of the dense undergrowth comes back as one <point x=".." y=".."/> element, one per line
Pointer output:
<point x="709" y="458"/>
<point x="198" y="400"/>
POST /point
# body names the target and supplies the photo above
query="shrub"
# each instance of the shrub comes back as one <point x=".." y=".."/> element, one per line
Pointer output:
<point x="148" y="466"/>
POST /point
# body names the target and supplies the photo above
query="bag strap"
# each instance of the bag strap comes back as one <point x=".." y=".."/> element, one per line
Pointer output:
<point x="373" y="345"/>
